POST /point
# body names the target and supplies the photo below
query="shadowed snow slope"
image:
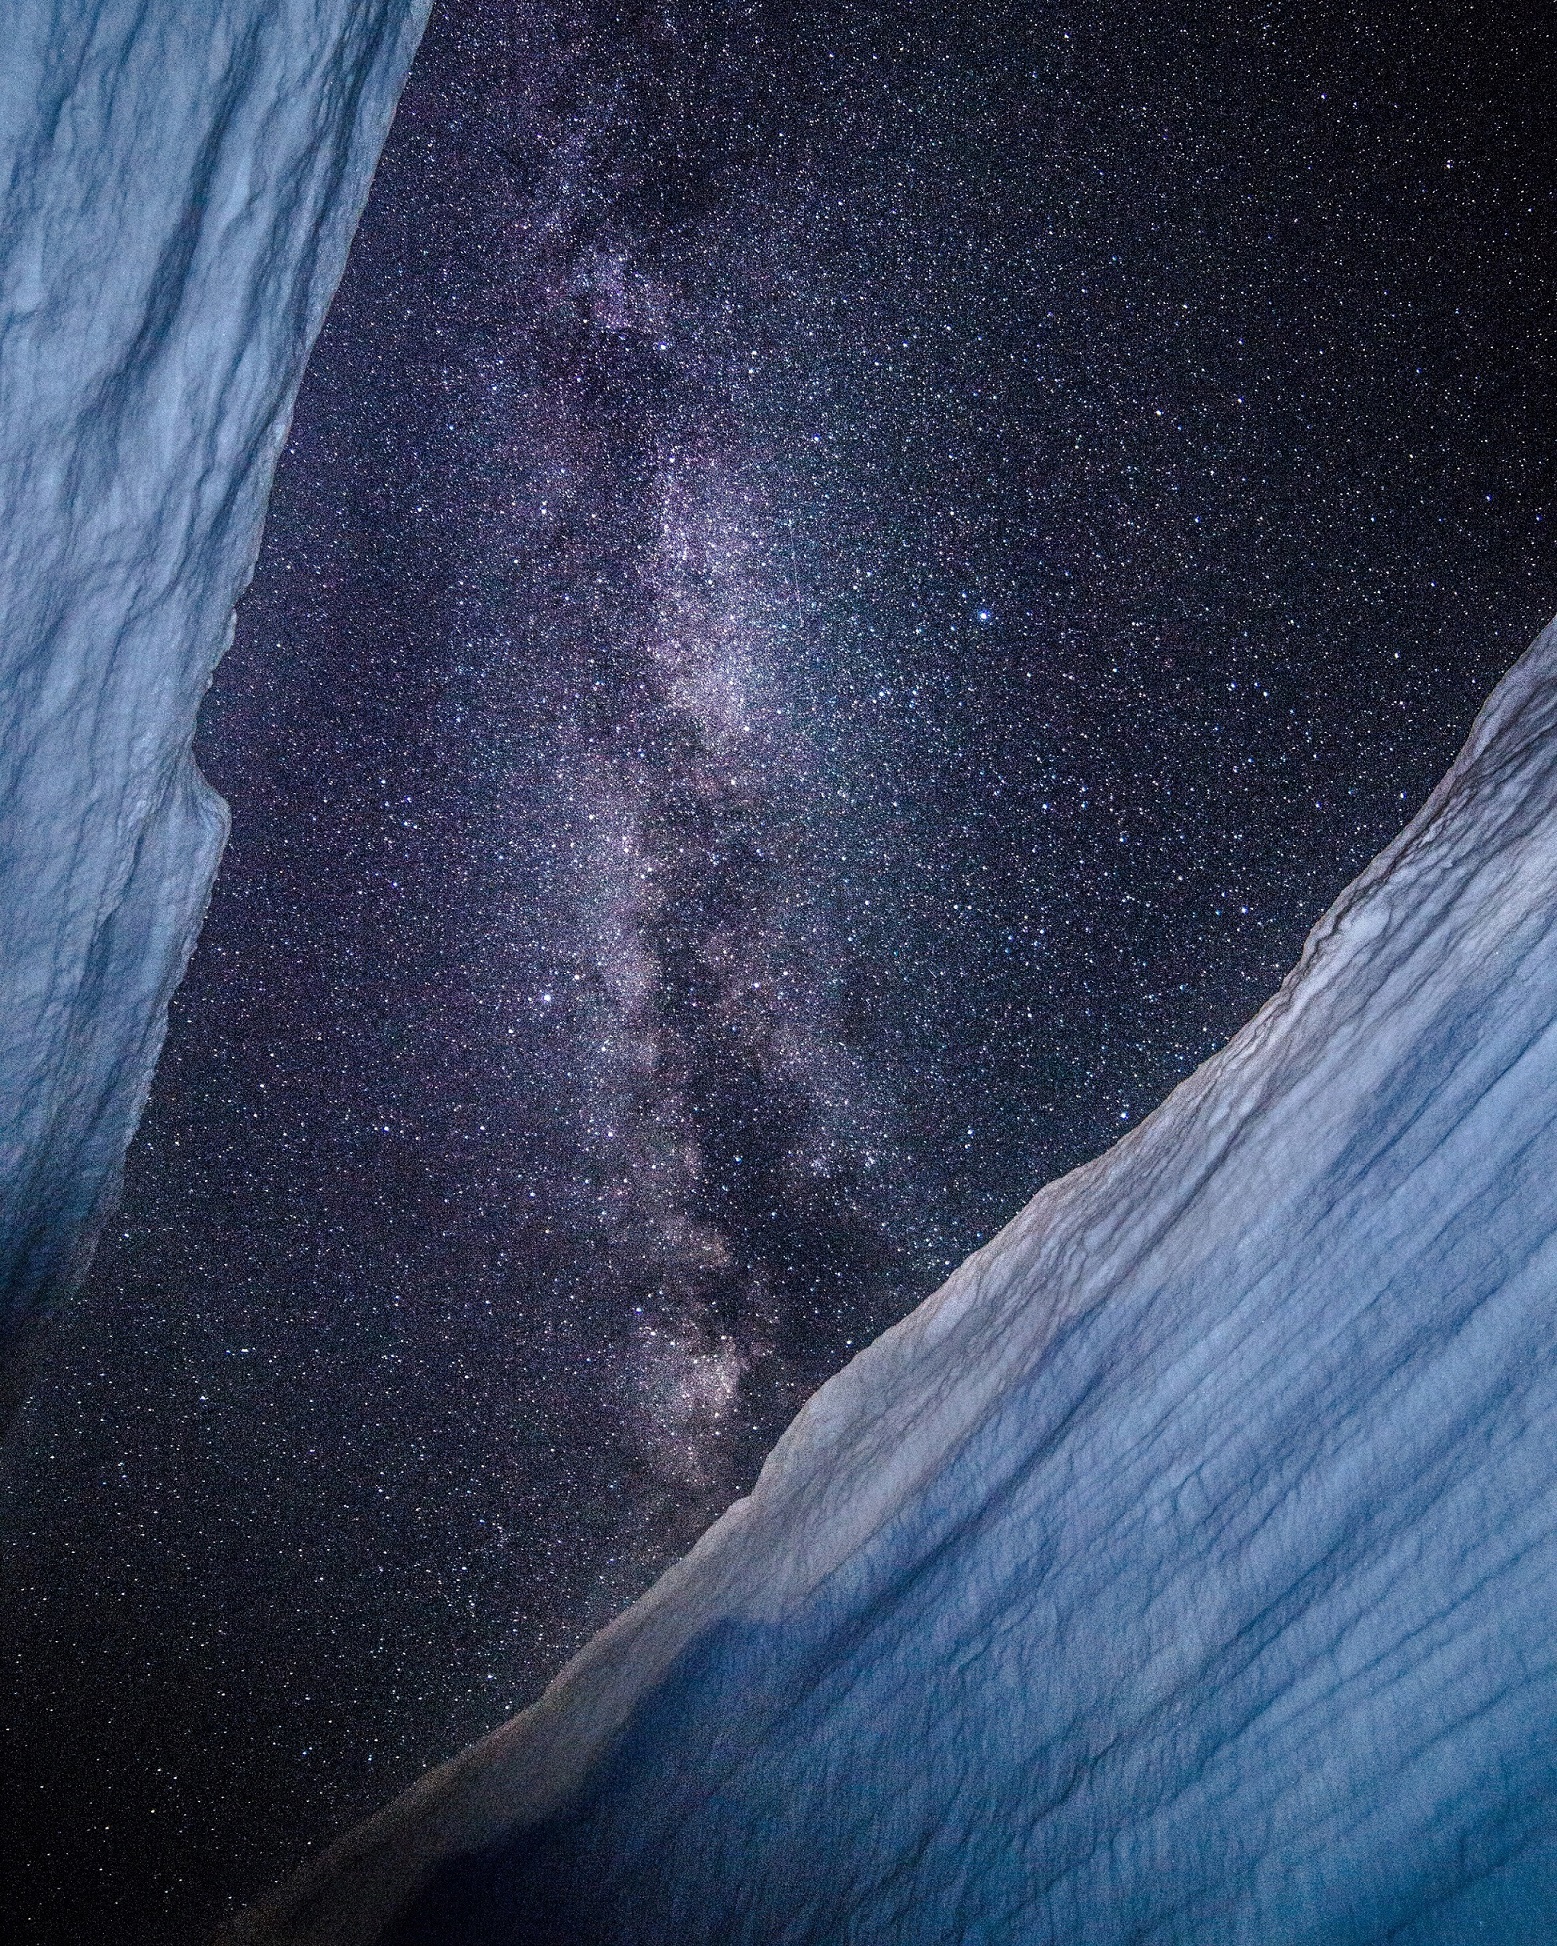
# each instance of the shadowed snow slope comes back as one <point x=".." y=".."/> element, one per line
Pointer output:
<point x="181" y="179"/>
<point x="1184" y="1570"/>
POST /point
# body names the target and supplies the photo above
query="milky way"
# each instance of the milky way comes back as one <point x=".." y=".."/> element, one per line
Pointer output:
<point x="846" y="585"/>
<point x="682" y="1000"/>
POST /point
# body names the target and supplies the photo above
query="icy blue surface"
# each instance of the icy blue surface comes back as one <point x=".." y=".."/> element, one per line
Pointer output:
<point x="1186" y="1570"/>
<point x="179" y="181"/>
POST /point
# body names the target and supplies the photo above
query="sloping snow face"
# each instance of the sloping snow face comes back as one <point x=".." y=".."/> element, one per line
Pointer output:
<point x="1185" y="1570"/>
<point x="181" y="179"/>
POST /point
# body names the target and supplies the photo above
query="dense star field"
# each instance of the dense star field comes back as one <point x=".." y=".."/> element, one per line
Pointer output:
<point x="847" y="584"/>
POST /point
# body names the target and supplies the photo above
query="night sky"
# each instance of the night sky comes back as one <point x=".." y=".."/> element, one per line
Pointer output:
<point x="848" y="582"/>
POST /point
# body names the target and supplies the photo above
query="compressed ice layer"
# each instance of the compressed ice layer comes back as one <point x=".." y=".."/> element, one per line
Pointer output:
<point x="1184" y="1570"/>
<point x="181" y="179"/>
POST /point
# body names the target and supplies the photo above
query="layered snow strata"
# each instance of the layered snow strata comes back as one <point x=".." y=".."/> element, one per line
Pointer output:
<point x="181" y="181"/>
<point x="1184" y="1570"/>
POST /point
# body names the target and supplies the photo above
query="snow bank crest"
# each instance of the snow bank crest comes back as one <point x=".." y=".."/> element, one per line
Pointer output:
<point x="1181" y="1570"/>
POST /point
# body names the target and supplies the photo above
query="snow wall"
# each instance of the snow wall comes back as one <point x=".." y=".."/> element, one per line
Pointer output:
<point x="181" y="180"/>
<point x="1185" y="1570"/>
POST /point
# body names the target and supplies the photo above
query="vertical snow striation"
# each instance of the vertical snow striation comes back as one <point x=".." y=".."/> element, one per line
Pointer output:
<point x="1183" y="1571"/>
<point x="180" y="181"/>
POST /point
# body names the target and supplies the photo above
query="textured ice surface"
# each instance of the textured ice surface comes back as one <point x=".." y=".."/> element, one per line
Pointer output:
<point x="179" y="180"/>
<point x="1184" y="1570"/>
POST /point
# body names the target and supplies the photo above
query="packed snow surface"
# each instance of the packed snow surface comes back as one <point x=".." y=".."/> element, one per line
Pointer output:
<point x="1184" y="1570"/>
<point x="181" y="179"/>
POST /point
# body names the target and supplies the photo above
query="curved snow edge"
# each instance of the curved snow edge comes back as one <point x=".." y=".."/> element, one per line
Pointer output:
<point x="888" y="1423"/>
